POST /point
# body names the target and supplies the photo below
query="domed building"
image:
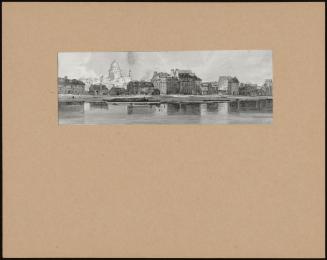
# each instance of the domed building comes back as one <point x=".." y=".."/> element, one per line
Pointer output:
<point x="116" y="78"/>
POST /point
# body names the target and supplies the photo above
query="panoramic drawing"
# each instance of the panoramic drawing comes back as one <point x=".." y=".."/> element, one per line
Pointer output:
<point x="168" y="87"/>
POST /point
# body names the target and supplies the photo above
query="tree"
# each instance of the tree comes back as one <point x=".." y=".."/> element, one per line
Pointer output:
<point x="156" y="92"/>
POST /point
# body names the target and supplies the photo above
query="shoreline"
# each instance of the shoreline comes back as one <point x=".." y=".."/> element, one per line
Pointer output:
<point x="160" y="98"/>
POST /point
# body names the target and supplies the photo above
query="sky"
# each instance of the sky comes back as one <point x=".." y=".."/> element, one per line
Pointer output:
<point x="248" y="66"/>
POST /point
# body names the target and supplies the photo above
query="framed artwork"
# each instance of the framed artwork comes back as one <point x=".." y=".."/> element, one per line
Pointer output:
<point x="192" y="130"/>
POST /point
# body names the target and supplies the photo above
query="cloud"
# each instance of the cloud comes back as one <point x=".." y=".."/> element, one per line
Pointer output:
<point x="73" y="65"/>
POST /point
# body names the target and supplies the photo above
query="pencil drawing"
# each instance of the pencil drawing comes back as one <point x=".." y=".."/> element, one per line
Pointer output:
<point x="175" y="87"/>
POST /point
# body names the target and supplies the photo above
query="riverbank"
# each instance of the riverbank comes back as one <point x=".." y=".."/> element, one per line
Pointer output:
<point x="159" y="98"/>
<point x="71" y="97"/>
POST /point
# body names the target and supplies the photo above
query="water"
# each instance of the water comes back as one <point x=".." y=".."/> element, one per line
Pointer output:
<point x="243" y="112"/>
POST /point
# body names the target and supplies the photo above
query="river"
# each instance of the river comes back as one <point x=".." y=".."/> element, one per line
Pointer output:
<point x="233" y="112"/>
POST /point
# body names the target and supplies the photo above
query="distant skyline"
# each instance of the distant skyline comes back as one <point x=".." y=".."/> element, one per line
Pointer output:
<point x="248" y="66"/>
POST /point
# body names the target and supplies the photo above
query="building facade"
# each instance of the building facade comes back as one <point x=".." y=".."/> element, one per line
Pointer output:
<point x="267" y="87"/>
<point x="98" y="89"/>
<point x="165" y="83"/>
<point x="71" y="86"/>
<point x="178" y="82"/>
<point x="228" y="85"/>
<point x="214" y="85"/>
<point x="207" y="88"/>
<point x="189" y="83"/>
<point x="248" y="89"/>
<point x="140" y="87"/>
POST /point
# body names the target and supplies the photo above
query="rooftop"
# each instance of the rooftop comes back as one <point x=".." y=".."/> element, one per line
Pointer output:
<point x="67" y="81"/>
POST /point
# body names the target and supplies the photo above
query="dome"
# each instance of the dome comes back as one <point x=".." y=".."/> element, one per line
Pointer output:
<point x="114" y="64"/>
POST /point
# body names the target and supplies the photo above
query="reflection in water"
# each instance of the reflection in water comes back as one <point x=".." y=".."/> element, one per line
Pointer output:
<point x="142" y="109"/>
<point x="264" y="105"/>
<point x="203" y="109"/>
<point x="172" y="108"/>
<point x="212" y="107"/>
<point x="253" y="111"/>
<point x="71" y="107"/>
<point x="223" y="108"/>
<point x="117" y="109"/>
<point x="98" y="105"/>
<point x="87" y="106"/>
<point x="161" y="109"/>
<point x="95" y="106"/>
